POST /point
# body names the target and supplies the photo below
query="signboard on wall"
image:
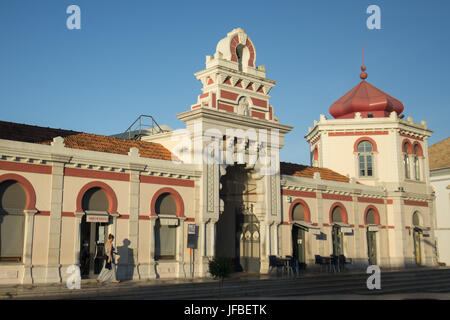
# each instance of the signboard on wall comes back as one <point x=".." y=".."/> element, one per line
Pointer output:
<point x="192" y="236"/>
<point x="97" y="218"/>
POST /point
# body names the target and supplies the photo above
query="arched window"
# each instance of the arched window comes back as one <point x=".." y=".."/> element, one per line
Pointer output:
<point x="365" y="154"/>
<point x="406" y="160"/>
<point x="298" y="214"/>
<point x="165" y="227"/>
<point x="371" y="217"/>
<point x="337" y="216"/>
<point x="243" y="55"/>
<point x="416" y="162"/>
<point x="13" y="200"/>
<point x="416" y="219"/>
<point x="95" y="199"/>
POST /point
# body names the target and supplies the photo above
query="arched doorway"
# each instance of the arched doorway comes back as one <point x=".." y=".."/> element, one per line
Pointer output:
<point x="372" y="221"/>
<point x="166" y="227"/>
<point x="13" y="200"/>
<point x="238" y="228"/>
<point x="417" y="238"/>
<point x="94" y="231"/>
<point x="299" y="216"/>
<point x="338" y="217"/>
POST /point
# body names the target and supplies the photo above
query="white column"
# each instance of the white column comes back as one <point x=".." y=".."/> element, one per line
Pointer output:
<point x="54" y="243"/>
<point x="133" y="224"/>
<point x="183" y="272"/>
<point x="76" y="232"/>
<point x="28" y="246"/>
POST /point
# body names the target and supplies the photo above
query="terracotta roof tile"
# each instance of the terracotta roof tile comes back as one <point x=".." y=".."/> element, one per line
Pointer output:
<point x="81" y="140"/>
<point x="439" y="155"/>
<point x="298" y="170"/>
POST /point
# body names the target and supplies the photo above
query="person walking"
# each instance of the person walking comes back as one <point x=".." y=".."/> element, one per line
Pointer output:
<point x="108" y="273"/>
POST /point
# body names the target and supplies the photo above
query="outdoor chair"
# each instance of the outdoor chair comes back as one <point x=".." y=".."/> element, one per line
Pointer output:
<point x="319" y="261"/>
<point x="275" y="262"/>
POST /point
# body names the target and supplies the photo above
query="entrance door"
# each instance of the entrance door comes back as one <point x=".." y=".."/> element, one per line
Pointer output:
<point x="298" y="243"/>
<point x="92" y="251"/>
<point x="249" y="243"/>
<point x="417" y="246"/>
<point x="372" y="247"/>
<point x="337" y="241"/>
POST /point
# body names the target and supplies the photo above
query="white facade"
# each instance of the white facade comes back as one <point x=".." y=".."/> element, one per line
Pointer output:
<point x="246" y="204"/>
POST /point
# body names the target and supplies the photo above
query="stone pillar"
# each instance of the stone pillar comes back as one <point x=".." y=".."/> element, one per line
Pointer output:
<point x="133" y="224"/>
<point x="264" y="244"/>
<point x="182" y="272"/>
<point x="147" y="269"/>
<point x="28" y="246"/>
<point x="76" y="232"/>
<point x="53" y="273"/>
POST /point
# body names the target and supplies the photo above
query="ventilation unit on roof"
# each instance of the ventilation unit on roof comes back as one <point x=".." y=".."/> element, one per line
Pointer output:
<point x="144" y="125"/>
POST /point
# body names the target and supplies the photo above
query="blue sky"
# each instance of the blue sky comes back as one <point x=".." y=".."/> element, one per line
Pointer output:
<point x="138" y="57"/>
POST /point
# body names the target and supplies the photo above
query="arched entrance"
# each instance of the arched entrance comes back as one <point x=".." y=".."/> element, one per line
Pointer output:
<point x="13" y="200"/>
<point x="299" y="216"/>
<point x="372" y="221"/>
<point x="94" y="231"/>
<point x="238" y="228"/>
<point x="338" y="217"/>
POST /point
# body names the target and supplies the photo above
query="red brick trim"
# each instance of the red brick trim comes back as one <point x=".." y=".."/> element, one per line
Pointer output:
<point x="25" y="167"/>
<point x="374" y="144"/>
<point x="343" y="210"/>
<point x="167" y="181"/>
<point x="98" y="184"/>
<point x="391" y="227"/>
<point x="408" y="143"/>
<point x="124" y="216"/>
<point x="190" y="220"/>
<point x="326" y="225"/>
<point x="304" y="194"/>
<point x="204" y="95"/>
<point x="377" y="214"/>
<point x="415" y="203"/>
<point x="259" y="115"/>
<point x="143" y="217"/>
<point x="226" y="107"/>
<point x="305" y="207"/>
<point x="259" y="102"/>
<point x="357" y="133"/>
<point x="228" y="95"/>
<point x="316" y="153"/>
<point x="389" y="201"/>
<point x="214" y="100"/>
<point x="196" y="106"/>
<point x="93" y="174"/>
<point x="419" y="148"/>
<point x="29" y="190"/>
<point x="67" y="214"/>
<point x="370" y="200"/>
<point x="175" y="194"/>
<point x="43" y="213"/>
<point x="410" y="136"/>
<point x="336" y="197"/>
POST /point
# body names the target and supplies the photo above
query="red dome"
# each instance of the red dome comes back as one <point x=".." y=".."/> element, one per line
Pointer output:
<point x="365" y="99"/>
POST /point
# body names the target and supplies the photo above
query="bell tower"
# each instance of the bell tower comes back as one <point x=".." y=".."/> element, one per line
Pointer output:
<point x="236" y="139"/>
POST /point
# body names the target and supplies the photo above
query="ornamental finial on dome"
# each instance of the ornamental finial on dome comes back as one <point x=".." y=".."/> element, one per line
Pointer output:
<point x="363" y="74"/>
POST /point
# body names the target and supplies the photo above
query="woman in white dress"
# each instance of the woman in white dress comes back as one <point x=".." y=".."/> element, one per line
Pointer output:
<point x="108" y="275"/>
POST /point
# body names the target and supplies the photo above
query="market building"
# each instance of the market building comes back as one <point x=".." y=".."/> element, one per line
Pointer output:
<point x="366" y="194"/>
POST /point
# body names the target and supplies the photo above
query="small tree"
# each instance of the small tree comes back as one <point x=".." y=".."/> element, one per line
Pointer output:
<point x="220" y="268"/>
